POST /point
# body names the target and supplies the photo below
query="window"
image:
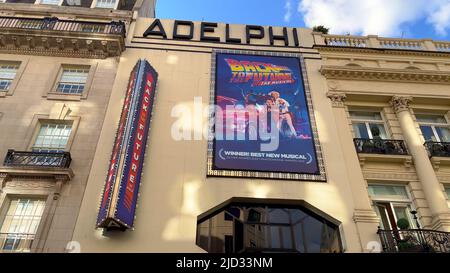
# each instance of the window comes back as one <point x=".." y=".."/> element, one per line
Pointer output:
<point x="21" y="223"/>
<point x="434" y="128"/>
<point x="106" y="4"/>
<point x="268" y="228"/>
<point x="50" y="2"/>
<point x="7" y="74"/>
<point x="52" y="137"/>
<point x="391" y="203"/>
<point x="368" y="125"/>
<point x="73" y="80"/>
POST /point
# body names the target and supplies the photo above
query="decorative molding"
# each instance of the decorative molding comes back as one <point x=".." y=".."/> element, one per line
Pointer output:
<point x="365" y="216"/>
<point x="385" y="74"/>
<point x="406" y="160"/>
<point x="387" y="51"/>
<point x="337" y="98"/>
<point x="3" y="179"/>
<point x="54" y="173"/>
<point x="439" y="161"/>
<point x="441" y="222"/>
<point x="401" y="103"/>
<point x="443" y="178"/>
<point x="391" y="176"/>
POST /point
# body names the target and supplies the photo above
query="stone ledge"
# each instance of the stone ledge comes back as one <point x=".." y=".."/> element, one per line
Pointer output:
<point x="365" y="216"/>
<point x="58" y="174"/>
<point x="438" y="161"/>
<point x="385" y="158"/>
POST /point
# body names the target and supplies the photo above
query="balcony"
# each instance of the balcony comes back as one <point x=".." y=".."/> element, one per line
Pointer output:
<point x="382" y="151"/>
<point x="439" y="153"/>
<point x="52" y="36"/>
<point x="15" y="242"/>
<point x="37" y="159"/>
<point x="438" y="149"/>
<point x="380" y="146"/>
<point x="36" y="164"/>
<point x="414" y="241"/>
<point x="373" y="41"/>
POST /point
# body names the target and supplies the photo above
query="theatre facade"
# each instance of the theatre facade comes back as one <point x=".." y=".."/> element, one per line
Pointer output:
<point x="238" y="138"/>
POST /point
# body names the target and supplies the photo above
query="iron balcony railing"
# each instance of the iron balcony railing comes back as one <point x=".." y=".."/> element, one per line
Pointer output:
<point x="414" y="240"/>
<point x="37" y="159"/>
<point x="16" y="242"/>
<point x="53" y="23"/>
<point x="438" y="148"/>
<point x="380" y="146"/>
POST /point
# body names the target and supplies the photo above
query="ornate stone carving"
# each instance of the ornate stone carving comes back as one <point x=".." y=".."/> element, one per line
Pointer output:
<point x="337" y="98"/>
<point x="401" y="103"/>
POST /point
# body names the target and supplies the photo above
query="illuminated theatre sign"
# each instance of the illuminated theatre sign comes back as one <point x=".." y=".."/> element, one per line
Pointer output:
<point x="264" y="124"/>
<point x="215" y="32"/>
<point x="118" y="201"/>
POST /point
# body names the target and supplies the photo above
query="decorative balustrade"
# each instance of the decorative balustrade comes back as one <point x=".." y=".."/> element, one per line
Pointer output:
<point x="55" y="37"/>
<point x="438" y="148"/>
<point x="401" y="44"/>
<point x="55" y="24"/>
<point x="37" y="159"/>
<point x="346" y="41"/>
<point x="373" y="41"/>
<point x="415" y="241"/>
<point x="380" y="146"/>
<point x="442" y="46"/>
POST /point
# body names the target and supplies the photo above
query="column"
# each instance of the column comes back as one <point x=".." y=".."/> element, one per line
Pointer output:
<point x="430" y="183"/>
<point x="365" y="218"/>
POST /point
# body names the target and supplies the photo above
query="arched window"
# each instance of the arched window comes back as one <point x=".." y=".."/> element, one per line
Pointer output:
<point x="245" y="225"/>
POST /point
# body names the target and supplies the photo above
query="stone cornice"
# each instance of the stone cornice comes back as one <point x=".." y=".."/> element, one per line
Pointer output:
<point x="366" y="50"/>
<point x="385" y="74"/>
<point x="61" y="44"/>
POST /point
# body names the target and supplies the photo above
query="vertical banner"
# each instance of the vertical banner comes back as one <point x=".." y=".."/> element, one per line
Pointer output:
<point x="263" y="119"/>
<point x="118" y="202"/>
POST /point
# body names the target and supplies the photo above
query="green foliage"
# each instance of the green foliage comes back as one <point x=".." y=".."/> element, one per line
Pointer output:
<point x="402" y="223"/>
<point x="321" y="28"/>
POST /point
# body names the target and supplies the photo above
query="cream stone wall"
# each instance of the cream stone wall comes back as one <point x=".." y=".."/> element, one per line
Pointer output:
<point x="376" y="93"/>
<point x="18" y="124"/>
<point x="175" y="189"/>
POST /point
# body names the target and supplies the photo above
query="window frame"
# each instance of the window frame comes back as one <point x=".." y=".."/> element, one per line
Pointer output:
<point x="22" y="64"/>
<point x="248" y="203"/>
<point x="447" y="193"/>
<point x="433" y="125"/>
<point x="37" y="122"/>
<point x="393" y="202"/>
<point x="367" y="122"/>
<point x="55" y="78"/>
<point x="39" y="2"/>
<point x="51" y="122"/>
<point x="94" y="5"/>
<point x="38" y="193"/>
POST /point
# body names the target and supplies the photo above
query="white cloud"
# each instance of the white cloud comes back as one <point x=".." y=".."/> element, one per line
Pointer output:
<point x="440" y="19"/>
<point x="288" y="9"/>
<point x="379" y="17"/>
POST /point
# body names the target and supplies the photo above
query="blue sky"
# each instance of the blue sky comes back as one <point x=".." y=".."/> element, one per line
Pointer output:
<point x="389" y="18"/>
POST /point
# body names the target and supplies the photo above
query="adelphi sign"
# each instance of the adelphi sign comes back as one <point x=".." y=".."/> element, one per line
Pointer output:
<point x="215" y="32"/>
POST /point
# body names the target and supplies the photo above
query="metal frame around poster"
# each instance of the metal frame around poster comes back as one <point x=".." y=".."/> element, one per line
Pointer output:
<point x="211" y="172"/>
